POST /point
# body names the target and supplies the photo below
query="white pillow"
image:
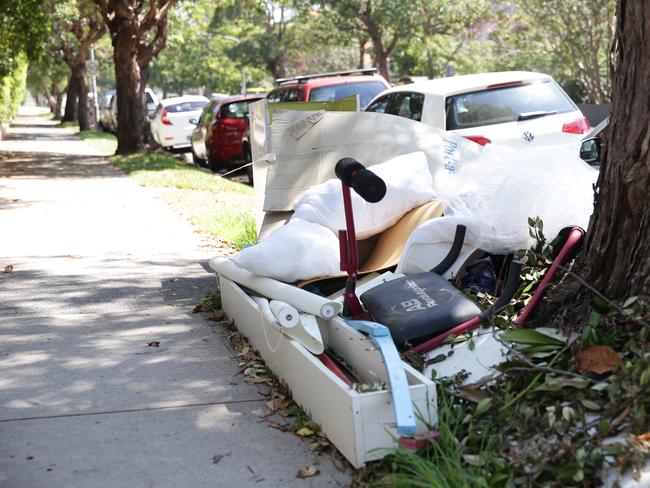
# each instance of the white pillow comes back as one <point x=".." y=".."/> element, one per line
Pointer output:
<point x="408" y="185"/>
<point x="296" y="251"/>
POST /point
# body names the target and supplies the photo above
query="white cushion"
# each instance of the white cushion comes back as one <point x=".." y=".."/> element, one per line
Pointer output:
<point x="408" y="185"/>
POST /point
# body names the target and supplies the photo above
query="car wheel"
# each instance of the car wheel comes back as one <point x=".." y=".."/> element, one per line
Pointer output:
<point x="212" y="163"/>
<point x="197" y="160"/>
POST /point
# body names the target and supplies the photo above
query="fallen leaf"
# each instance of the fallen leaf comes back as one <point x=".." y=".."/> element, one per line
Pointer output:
<point x="307" y="472"/>
<point x="340" y="463"/>
<point x="154" y="344"/>
<point x="304" y="432"/>
<point x="258" y="379"/>
<point x="198" y="308"/>
<point x="532" y="337"/>
<point x="218" y="314"/>
<point x="275" y="404"/>
<point x="644" y="437"/>
<point x="598" y="360"/>
<point x="9" y="268"/>
<point x="216" y="458"/>
<point x="473" y="394"/>
<point x="276" y="425"/>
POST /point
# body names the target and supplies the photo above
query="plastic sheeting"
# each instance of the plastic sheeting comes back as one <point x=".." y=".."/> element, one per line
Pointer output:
<point x="495" y="196"/>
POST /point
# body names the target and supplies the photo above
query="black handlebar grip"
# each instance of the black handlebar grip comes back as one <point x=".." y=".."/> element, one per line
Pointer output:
<point x="367" y="184"/>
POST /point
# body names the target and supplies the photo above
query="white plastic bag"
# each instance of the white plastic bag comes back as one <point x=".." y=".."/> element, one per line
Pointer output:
<point x="500" y="191"/>
<point x="296" y="251"/>
<point x="408" y="185"/>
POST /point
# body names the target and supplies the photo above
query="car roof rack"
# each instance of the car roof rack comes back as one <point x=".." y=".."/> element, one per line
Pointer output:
<point x="304" y="78"/>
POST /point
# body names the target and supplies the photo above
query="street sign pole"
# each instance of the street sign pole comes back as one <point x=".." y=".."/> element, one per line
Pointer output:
<point x="94" y="68"/>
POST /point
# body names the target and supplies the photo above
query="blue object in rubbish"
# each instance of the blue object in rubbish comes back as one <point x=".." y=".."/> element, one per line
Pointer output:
<point x="481" y="277"/>
<point x="399" y="388"/>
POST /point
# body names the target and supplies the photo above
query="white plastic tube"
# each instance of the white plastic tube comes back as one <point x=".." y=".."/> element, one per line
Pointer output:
<point x="286" y="315"/>
<point x="276" y="290"/>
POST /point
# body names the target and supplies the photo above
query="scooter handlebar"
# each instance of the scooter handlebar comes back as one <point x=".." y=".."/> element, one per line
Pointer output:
<point x="367" y="184"/>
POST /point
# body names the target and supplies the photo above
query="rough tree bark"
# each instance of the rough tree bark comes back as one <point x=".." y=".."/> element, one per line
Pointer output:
<point x="131" y="24"/>
<point x="617" y="251"/>
<point x="70" y="113"/>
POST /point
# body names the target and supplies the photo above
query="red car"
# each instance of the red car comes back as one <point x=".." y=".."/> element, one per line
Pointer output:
<point x="323" y="87"/>
<point x="327" y="87"/>
<point x="217" y="138"/>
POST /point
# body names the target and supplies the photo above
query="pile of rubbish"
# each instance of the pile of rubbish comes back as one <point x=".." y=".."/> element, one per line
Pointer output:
<point x="363" y="219"/>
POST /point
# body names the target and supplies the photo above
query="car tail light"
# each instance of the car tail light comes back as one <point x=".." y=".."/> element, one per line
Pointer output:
<point x="578" y="126"/>
<point x="164" y="119"/>
<point x="479" y="140"/>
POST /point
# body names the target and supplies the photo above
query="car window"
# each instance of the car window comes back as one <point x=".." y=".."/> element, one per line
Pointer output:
<point x="381" y="104"/>
<point x="367" y="90"/>
<point x="208" y="112"/>
<point x="284" y="95"/>
<point x="404" y="104"/>
<point x="186" y="106"/>
<point x="148" y="96"/>
<point x="506" y="104"/>
<point x="235" y="110"/>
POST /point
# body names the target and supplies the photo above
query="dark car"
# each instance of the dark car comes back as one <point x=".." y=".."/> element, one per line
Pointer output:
<point x="217" y="138"/>
<point x="328" y="87"/>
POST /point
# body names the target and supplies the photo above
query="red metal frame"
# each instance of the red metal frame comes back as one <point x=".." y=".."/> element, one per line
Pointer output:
<point x="350" y="259"/>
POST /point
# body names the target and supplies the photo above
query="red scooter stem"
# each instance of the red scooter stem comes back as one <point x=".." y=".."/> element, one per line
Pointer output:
<point x="350" y="259"/>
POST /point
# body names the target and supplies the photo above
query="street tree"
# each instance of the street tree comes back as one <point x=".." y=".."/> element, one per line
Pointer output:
<point x="76" y="25"/>
<point x="264" y="31"/>
<point x="24" y="27"/>
<point x="576" y="34"/>
<point x="383" y="22"/>
<point x="48" y="76"/>
<point x="138" y="31"/>
<point x="215" y="65"/>
<point x="617" y="250"/>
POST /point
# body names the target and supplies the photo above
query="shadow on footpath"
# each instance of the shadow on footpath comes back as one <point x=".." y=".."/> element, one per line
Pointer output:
<point x="52" y="165"/>
<point x="98" y="284"/>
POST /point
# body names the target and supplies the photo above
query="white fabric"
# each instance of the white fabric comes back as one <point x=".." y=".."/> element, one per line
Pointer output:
<point x="408" y="185"/>
<point x="296" y="251"/>
<point x="495" y="196"/>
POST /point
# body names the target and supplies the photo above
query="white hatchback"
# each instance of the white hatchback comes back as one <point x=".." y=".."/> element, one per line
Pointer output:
<point x="516" y="108"/>
<point x="174" y="120"/>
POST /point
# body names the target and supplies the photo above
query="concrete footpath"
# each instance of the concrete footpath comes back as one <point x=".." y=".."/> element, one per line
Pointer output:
<point x="101" y="269"/>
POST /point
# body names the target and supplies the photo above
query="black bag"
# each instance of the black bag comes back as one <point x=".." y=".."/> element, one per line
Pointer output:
<point x="418" y="306"/>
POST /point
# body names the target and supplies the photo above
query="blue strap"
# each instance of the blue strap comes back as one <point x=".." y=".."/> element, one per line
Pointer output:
<point x="399" y="388"/>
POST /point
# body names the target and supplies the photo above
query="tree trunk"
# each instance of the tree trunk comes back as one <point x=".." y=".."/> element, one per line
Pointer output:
<point x="617" y="251"/>
<point x="57" y="106"/>
<point x="362" y="51"/>
<point x="83" y="111"/>
<point x="70" y="114"/>
<point x="381" y="60"/>
<point x="130" y="116"/>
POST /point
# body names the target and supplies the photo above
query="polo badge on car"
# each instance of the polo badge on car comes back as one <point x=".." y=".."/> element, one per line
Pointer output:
<point x="527" y="136"/>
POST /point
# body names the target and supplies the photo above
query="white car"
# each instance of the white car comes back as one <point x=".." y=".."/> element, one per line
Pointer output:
<point x="174" y="120"/>
<point x="516" y="108"/>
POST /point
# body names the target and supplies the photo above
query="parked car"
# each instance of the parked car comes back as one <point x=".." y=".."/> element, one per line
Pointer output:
<point x="217" y="138"/>
<point x="174" y="120"/>
<point x="592" y="146"/>
<point x="108" y="119"/>
<point x="513" y="107"/>
<point x="104" y="108"/>
<point x="327" y="87"/>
